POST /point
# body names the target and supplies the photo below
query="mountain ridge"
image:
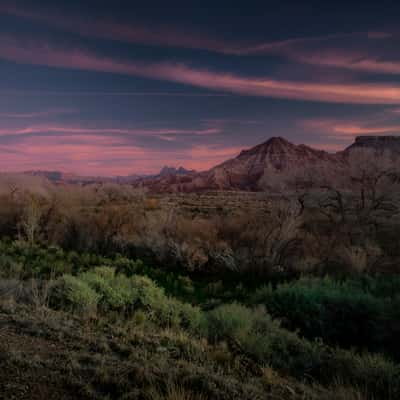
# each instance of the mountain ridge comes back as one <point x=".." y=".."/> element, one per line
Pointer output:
<point x="274" y="164"/>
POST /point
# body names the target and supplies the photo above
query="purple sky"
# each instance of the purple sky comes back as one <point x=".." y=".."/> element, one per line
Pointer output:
<point x="110" y="88"/>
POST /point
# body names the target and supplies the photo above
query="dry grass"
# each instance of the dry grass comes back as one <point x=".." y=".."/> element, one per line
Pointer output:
<point x="174" y="392"/>
<point x="355" y="257"/>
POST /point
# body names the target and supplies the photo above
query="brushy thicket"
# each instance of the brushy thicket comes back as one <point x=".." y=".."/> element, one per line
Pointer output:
<point x="268" y="343"/>
<point x="117" y="289"/>
<point x="362" y="314"/>
<point x="326" y="231"/>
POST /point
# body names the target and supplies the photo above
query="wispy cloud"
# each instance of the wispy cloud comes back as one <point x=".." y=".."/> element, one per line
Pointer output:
<point x="96" y="93"/>
<point x="344" y="129"/>
<point x="93" y="150"/>
<point x="284" y="46"/>
<point x="356" y="61"/>
<point x="112" y="131"/>
<point x="358" y="93"/>
<point x="162" y="35"/>
<point x="104" y="156"/>
<point x="134" y="32"/>
<point x="36" y="114"/>
<point x="318" y="50"/>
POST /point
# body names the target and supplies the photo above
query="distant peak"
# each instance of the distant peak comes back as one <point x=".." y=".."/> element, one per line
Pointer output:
<point x="167" y="170"/>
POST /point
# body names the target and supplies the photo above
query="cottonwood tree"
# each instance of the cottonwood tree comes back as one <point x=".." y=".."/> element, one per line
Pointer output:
<point x="375" y="176"/>
<point x="371" y="189"/>
<point x="264" y="240"/>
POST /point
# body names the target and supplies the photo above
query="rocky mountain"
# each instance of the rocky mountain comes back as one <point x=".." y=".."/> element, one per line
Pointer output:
<point x="276" y="165"/>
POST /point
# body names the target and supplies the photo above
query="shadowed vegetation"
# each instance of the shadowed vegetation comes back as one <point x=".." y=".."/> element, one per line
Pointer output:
<point x="181" y="298"/>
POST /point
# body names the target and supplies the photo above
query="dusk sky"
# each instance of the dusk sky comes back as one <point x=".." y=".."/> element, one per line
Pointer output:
<point x="124" y="87"/>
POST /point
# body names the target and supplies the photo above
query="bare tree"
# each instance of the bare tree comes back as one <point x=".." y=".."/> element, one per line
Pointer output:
<point x="31" y="218"/>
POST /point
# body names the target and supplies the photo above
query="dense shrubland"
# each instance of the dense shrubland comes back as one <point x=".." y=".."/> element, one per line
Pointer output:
<point x="297" y="297"/>
<point x="362" y="314"/>
<point x="318" y="231"/>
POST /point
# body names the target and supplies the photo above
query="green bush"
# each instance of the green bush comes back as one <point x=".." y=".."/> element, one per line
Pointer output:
<point x="164" y="310"/>
<point x="229" y="320"/>
<point x="105" y="289"/>
<point x="115" y="291"/>
<point x="127" y="266"/>
<point x="45" y="262"/>
<point x="78" y="295"/>
<point x="190" y="317"/>
<point x="345" y="314"/>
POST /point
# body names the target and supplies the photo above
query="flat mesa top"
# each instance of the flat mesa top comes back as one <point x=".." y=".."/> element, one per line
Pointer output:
<point x="371" y="138"/>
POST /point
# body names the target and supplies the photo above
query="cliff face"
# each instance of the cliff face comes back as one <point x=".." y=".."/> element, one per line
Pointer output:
<point x="391" y="143"/>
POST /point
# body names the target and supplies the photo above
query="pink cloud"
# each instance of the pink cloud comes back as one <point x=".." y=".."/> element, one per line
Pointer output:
<point x="98" y="155"/>
<point x="283" y="46"/>
<point x="358" y="93"/>
<point x="103" y="151"/>
<point x="208" y="156"/>
<point x="323" y="51"/>
<point x="344" y="129"/>
<point x="356" y="61"/>
<point x="363" y="130"/>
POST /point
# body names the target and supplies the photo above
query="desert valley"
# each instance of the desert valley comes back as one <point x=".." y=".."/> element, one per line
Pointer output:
<point x="267" y="275"/>
<point x="199" y="200"/>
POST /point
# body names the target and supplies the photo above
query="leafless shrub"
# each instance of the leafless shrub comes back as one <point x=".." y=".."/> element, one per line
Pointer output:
<point x="39" y="293"/>
<point x="31" y="217"/>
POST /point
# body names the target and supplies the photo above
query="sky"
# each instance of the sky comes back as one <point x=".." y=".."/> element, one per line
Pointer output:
<point x="112" y="88"/>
